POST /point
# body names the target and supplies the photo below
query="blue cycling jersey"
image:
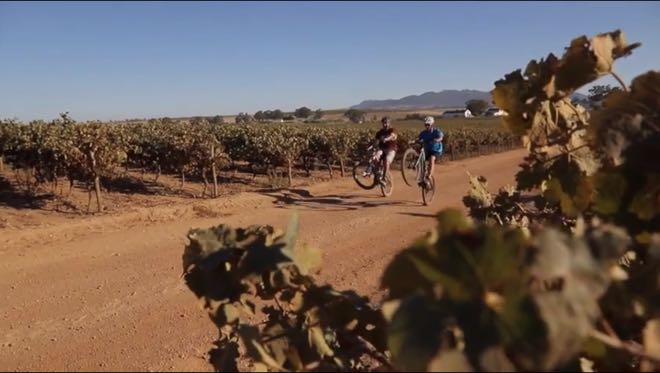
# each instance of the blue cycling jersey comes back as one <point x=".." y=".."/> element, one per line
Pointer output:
<point x="428" y="138"/>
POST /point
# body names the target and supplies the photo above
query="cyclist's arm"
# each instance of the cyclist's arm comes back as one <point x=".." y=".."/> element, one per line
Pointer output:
<point x="391" y="137"/>
<point x="416" y="141"/>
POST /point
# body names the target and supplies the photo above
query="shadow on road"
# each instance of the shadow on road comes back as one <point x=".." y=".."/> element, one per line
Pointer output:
<point x="419" y="215"/>
<point x="287" y="198"/>
<point x="12" y="197"/>
<point x="130" y="185"/>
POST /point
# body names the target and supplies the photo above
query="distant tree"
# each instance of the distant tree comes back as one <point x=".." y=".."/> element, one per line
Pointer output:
<point x="289" y="117"/>
<point x="218" y="119"/>
<point x="477" y="107"/>
<point x="355" y="115"/>
<point x="243" y="118"/>
<point x="302" y="112"/>
<point x="318" y="114"/>
<point x="166" y="120"/>
<point x="598" y="93"/>
<point x="65" y="118"/>
<point x="196" y="121"/>
<point x="414" y="116"/>
<point x="268" y="115"/>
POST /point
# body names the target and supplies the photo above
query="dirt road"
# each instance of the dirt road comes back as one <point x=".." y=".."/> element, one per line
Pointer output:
<point x="106" y="293"/>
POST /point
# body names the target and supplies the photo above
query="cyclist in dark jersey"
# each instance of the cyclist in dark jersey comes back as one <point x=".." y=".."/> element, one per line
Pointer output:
<point x="387" y="145"/>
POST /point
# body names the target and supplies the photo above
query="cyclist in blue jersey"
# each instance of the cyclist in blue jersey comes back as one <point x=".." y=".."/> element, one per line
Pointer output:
<point x="432" y="139"/>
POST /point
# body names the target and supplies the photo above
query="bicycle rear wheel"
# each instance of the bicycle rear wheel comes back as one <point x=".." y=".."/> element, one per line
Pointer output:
<point x="428" y="191"/>
<point x="387" y="187"/>
<point x="408" y="170"/>
<point x="363" y="179"/>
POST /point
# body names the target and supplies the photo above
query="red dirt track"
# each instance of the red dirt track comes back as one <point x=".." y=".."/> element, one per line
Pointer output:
<point x="106" y="293"/>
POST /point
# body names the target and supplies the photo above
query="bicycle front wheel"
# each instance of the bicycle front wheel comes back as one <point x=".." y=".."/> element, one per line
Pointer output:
<point x="365" y="180"/>
<point x="408" y="169"/>
<point x="428" y="191"/>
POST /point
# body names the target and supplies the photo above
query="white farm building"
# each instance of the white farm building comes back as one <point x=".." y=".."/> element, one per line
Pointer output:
<point x="462" y="113"/>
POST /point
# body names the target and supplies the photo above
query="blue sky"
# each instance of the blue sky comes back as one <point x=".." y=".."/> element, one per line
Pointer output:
<point x="105" y="60"/>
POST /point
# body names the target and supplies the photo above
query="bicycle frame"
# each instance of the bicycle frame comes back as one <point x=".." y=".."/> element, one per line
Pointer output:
<point x="376" y="164"/>
<point x="420" y="166"/>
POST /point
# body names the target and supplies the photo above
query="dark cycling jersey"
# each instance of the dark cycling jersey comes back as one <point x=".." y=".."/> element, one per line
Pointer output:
<point x="386" y="145"/>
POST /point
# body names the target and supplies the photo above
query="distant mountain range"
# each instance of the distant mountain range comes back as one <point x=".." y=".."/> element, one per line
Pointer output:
<point x="444" y="99"/>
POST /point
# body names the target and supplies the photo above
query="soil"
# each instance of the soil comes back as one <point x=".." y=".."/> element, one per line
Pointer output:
<point x="104" y="291"/>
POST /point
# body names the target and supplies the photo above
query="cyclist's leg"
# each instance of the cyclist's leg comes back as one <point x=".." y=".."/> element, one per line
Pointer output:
<point x="377" y="156"/>
<point x="431" y="165"/>
<point x="373" y="162"/>
<point x="388" y="158"/>
<point x="376" y="159"/>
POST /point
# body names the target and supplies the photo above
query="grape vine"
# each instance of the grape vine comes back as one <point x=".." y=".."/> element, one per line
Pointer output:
<point x="559" y="272"/>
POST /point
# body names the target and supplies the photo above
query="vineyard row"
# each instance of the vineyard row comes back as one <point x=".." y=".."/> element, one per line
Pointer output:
<point x="85" y="152"/>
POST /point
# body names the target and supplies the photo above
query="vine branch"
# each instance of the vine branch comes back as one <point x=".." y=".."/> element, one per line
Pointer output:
<point x="630" y="347"/>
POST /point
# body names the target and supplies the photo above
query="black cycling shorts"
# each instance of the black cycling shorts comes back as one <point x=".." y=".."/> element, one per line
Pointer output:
<point x="429" y="153"/>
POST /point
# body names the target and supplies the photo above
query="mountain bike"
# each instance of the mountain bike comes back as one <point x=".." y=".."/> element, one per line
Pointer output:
<point x="413" y="169"/>
<point x="368" y="174"/>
